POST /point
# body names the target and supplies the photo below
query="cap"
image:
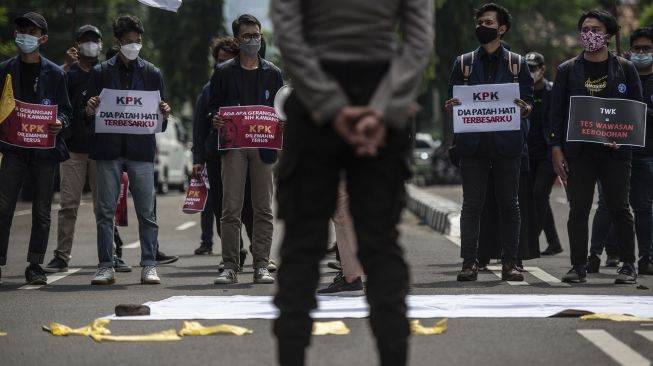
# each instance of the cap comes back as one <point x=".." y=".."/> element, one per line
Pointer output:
<point x="33" y="18"/>
<point x="534" y="59"/>
<point x="87" y="29"/>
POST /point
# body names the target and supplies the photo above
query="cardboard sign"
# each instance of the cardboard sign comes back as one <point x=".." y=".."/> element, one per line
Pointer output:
<point x="133" y="112"/>
<point x="27" y="126"/>
<point x="249" y="127"/>
<point x="120" y="217"/>
<point x="196" y="196"/>
<point x="604" y="121"/>
<point x="486" y="108"/>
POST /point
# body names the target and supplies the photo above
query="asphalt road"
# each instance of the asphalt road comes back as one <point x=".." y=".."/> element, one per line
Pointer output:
<point x="434" y="263"/>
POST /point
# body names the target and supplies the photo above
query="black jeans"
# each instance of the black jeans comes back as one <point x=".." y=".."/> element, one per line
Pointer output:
<point x="213" y="170"/>
<point x="475" y="172"/>
<point x="597" y="163"/>
<point x="41" y="173"/>
<point x="309" y="174"/>
<point x="542" y="176"/>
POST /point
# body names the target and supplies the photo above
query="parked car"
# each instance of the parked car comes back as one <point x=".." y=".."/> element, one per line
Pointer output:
<point x="173" y="161"/>
<point x="424" y="148"/>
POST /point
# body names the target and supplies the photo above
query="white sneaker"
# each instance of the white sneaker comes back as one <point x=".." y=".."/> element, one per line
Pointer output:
<point x="149" y="276"/>
<point x="104" y="276"/>
<point x="262" y="275"/>
<point x="226" y="277"/>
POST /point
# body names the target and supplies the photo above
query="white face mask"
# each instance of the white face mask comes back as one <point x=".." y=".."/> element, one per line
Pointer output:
<point x="90" y="49"/>
<point x="537" y="76"/>
<point x="131" y="50"/>
<point x="27" y="43"/>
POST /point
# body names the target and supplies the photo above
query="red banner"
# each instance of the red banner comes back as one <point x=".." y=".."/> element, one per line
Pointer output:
<point x="196" y="196"/>
<point x="121" y="209"/>
<point x="27" y="126"/>
<point x="250" y="127"/>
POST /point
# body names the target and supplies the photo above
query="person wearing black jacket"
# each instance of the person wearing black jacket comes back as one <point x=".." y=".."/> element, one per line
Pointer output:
<point x="595" y="72"/>
<point x="36" y="80"/>
<point x="115" y="153"/>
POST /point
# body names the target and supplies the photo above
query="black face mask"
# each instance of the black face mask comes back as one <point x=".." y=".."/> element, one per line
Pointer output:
<point x="486" y="35"/>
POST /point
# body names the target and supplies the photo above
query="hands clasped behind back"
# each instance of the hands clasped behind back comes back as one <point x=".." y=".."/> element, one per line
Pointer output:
<point x="361" y="127"/>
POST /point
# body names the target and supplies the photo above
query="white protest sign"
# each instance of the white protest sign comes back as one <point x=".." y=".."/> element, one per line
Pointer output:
<point x="134" y="112"/>
<point x="486" y="108"/>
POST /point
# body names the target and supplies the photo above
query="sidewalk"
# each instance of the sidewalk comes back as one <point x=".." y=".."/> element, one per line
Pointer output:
<point x="437" y="206"/>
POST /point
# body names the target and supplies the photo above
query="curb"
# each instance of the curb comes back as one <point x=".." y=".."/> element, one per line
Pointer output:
<point x="439" y="213"/>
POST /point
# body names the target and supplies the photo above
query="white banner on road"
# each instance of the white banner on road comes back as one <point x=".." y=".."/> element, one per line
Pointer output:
<point x="134" y="112"/>
<point x="486" y="108"/>
<point x="170" y="5"/>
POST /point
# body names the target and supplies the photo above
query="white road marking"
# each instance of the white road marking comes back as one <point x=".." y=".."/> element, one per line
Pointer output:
<point x="51" y="279"/>
<point x="497" y="271"/>
<point x="134" y="245"/>
<point x="611" y="346"/>
<point x="454" y="239"/>
<point x="648" y="334"/>
<point x="544" y="276"/>
<point x="186" y="225"/>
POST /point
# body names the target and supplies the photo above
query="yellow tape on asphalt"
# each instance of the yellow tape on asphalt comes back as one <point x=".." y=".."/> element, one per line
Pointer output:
<point x="417" y="328"/>
<point x="615" y="317"/>
<point x="163" y="336"/>
<point x="335" y="328"/>
<point x="98" y="326"/>
<point x="197" y="329"/>
<point x="2" y="334"/>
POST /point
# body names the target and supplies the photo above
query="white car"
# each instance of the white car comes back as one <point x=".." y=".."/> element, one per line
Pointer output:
<point x="173" y="161"/>
<point x="424" y="148"/>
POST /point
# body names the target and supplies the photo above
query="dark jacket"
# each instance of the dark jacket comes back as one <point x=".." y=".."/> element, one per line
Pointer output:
<point x="51" y="89"/>
<point x="225" y="89"/>
<point x="202" y="129"/>
<point x="647" y="89"/>
<point x="79" y="135"/>
<point x="111" y="146"/>
<point x="570" y="81"/>
<point x="508" y="143"/>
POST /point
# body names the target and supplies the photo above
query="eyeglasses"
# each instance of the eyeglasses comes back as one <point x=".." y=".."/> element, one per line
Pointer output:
<point x="249" y="36"/>
<point x="641" y="49"/>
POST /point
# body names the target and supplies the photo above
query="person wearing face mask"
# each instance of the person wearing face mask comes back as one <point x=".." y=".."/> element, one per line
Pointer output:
<point x="595" y="72"/>
<point x="75" y="171"/>
<point x="641" y="182"/>
<point x="115" y="153"/>
<point x="541" y="171"/>
<point x="36" y="80"/>
<point x="492" y="155"/>
<point x="246" y="79"/>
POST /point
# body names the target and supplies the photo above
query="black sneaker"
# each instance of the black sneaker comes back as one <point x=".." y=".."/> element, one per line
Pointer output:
<point x="593" y="263"/>
<point x="469" y="271"/>
<point x="119" y="265"/>
<point x="510" y="272"/>
<point x="626" y="275"/>
<point x="162" y="258"/>
<point x="576" y="274"/>
<point x="34" y="275"/>
<point x="645" y="266"/>
<point x="204" y="250"/>
<point x="612" y="261"/>
<point x="56" y="265"/>
<point x="552" y="250"/>
<point x="334" y="265"/>
<point x="341" y="287"/>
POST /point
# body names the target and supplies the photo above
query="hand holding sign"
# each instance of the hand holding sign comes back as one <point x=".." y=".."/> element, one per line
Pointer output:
<point x="165" y="109"/>
<point x="92" y="105"/>
<point x="55" y="128"/>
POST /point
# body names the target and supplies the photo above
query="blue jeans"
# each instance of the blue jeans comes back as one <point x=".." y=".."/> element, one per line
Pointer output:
<point x="641" y="201"/>
<point x="141" y="185"/>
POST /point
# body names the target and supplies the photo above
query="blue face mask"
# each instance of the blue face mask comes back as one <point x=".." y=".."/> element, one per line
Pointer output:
<point x="27" y="43"/>
<point x="642" y="60"/>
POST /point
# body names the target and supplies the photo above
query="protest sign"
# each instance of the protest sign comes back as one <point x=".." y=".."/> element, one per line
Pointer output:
<point x="486" y="108"/>
<point x="249" y="127"/>
<point x="133" y="112"/>
<point x="120" y="218"/>
<point x="601" y="120"/>
<point x="196" y="196"/>
<point x="27" y="126"/>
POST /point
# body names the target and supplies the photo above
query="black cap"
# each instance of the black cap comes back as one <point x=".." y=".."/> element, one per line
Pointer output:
<point x="33" y="18"/>
<point x="88" y="29"/>
<point x="534" y="59"/>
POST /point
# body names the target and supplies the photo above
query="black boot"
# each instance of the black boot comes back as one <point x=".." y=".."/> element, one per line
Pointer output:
<point x="469" y="271"/>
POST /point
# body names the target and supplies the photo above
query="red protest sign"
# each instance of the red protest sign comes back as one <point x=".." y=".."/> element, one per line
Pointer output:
<point x="196" y="196"/>
<point x="120" y="217"/>
<point x="27" y="126"/>
<point x="250" y="127"/>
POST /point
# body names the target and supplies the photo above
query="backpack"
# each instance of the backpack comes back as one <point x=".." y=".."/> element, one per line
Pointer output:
<point x="467" y="64"/>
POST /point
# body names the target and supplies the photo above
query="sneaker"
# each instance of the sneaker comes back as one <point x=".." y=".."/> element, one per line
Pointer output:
<point x="593" y="263"/>
<point x="626" y="275"/>
<point x="469" y="271"/>
<point x="645" y="266"/>
<point x="612" y="261"/>
<point x="119" y="265"/>
<point x="149" y="276"/>
<point x="162" y="258"/>
<point x="341" y="287"/>
<point x="104" y="276"/>
<point x="262" y="275"/>
<point x="552" y="250"/>
<point x="56" y="265"/>
<point x="204" y="250"/>
<point x="226" y="277"/>
<point x="576" y="274"/>
<point x="510" y="272"/>
<point x="35" y="275"/>
<point x="272" y="266"/>
<point x="335" y="265"/>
